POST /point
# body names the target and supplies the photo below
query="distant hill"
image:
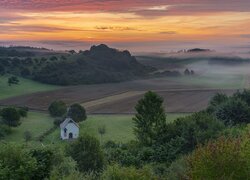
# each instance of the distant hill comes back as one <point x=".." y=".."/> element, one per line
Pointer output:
<point x="198" y="50"/>
<point x="100" y="64"/>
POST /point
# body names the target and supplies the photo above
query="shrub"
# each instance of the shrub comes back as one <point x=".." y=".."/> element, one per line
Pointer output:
<point x="233" y="111"/>
<point x="57" y="108"/>
<point x="4" y="130"/>
<point x="86" y="151"/>
<point x="23" y="111"/>
<point x="117" y="172"/>
<point x="226" y="158"/>
<point x="16" y="162"/>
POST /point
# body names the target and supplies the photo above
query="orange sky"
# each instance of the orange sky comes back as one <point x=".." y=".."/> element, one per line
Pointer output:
<point x="126" y="22"/>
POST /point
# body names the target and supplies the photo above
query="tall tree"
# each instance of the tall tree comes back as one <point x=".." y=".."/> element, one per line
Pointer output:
<point x="77" y="113"/>
<point x="57" y="108"/>
<point x="150" y="119"/>
<point x="11" y="116"/>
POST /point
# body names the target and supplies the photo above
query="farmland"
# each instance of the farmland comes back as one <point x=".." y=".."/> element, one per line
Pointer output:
<point x="24" y="87"/>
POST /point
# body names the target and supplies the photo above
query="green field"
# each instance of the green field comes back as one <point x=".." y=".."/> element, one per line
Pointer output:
<point x="25" y="86"/>
<point x="226" y="81"/>
<point x="119" y="128"/>
<point x="36" y="123"/>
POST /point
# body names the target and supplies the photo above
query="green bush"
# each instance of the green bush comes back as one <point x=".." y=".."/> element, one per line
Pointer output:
<point x="225" y="158"/>
<point x="16" y="162"/>
<point x="4" y="130"/>
<point x="233" y="112"/>
<point x="86" y="151"/>
<point x="116" y="172"/>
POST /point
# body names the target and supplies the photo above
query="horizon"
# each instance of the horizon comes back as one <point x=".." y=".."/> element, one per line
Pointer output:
<point x="139" y="26"/>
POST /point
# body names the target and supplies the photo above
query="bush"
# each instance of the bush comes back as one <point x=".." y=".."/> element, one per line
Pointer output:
<point x="226" y="158"/>
<point x="233" y="111"/>
<point x="57" y="108"/>
<point x="4" y="130"/>
<point x="117" y="172"/>
<point x="23" y="111"/>
<point x="58" y="121"/>
<point x="86" y="151"/>
<point x="16" y="162"/>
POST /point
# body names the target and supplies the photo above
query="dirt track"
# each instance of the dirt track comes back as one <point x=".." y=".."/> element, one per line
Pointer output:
<point x="122" y="97"/>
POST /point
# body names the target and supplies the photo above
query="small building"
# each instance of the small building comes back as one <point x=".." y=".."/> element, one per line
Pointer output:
<point x="69" y="129"/>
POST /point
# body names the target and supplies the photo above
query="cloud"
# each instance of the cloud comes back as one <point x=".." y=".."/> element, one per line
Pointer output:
<point x="139" y="7"/>
<point x="116" y="28"/>
<point x="168" y="32"/>
<point x="245" y="35"/>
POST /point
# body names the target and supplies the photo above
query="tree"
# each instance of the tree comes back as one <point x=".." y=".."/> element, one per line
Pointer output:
<point x="77" y="113"/>
<point x="187" y="72"/>
<point x="2" y="70"/>
<point x="86" y="151"/>
<point x="150" y="119"/>
<point x="57" y="108"/>
<point x="13" y="80"/>
<point x="11" y="116"/>
<point x="218" y="99"/>
<point x="233" y="111"/>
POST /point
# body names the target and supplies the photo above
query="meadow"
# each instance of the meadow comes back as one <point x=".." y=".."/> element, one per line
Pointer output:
<point x="25" y="86"/>
<point x="36" y="122"/>
<point x="119" y="128"/>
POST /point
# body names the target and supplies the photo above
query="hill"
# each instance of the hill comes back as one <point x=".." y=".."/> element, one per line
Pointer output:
<point x="100" y="64"/>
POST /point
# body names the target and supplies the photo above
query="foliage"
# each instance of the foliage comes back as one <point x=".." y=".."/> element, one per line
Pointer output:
<point x="16" y="162"/>
<point x="184" y="134"/>
<point x="150" y="118"/>
<point x="86" y="151"/>
<point x="233" y="111"/>
<point x="44" y="159"/>
<point x="178" y="169"/>
<point x="13" y="80"/>
<point x="57" y="108"/>
<point x="4" y="130"/>
<point x="100" y="64"/>
<point x="11" y="116"/>
<point x="215" y="101"/>
<point x="116" y="172"/>
<point x="77" y="113"/>
<point x="23" y="111"/>
<point x="225" y="158"/>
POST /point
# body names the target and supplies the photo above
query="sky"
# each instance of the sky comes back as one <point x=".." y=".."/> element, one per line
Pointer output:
<point x="137" y="25"/>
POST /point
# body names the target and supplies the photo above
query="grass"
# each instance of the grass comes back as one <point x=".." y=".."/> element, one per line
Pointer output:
<point x="25" y="86"/>
<point x="119" y="128"/>
<point x="36" y="123"/>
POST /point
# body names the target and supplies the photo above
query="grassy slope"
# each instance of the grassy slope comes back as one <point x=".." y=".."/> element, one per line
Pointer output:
<point x="36" y="123"/>
<point x="119" y="128"/>
<point x="25" y="87"/>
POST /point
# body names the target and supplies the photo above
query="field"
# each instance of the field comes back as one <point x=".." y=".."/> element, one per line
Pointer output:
<point x="36" y="123"/>
<point x="24" y="87"/>
<point x="181" y="94"/>
<point x="119" y="128"/>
